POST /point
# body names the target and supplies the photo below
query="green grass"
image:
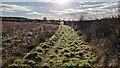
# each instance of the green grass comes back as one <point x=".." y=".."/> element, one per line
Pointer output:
<point x="64" y="48"/>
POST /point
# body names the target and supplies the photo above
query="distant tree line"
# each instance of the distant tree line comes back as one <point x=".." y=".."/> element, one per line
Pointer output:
<point x="21" y="19"/>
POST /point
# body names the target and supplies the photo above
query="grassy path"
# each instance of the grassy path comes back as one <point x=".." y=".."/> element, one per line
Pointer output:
<point x="64" y="48"/>
<point x="50" y="50"/>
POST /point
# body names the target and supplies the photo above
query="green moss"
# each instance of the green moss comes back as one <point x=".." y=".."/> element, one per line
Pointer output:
<point x="19" y="61"/>
<point x="46" y="64"/>
<point x="70" y="63"/>
<point x="20" y="65"/>
<point x="67" y="55"/>
<point x="52" y="56"/>
<point x="13" y="65"/>
<point x="85" y="65"/>
<point x="75" y="60"/>
<point x="30" y="62"/>
<point x="39" y="49"/>
<point x="45" y="46"/>
<point x="35" y="56"/>
<point x="59" y="61"/>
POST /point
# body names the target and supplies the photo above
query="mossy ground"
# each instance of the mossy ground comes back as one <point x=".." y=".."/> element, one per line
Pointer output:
<point x="64" y="48"/>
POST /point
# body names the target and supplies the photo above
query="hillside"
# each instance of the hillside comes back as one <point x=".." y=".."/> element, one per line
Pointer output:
<point x="64" y="48"/>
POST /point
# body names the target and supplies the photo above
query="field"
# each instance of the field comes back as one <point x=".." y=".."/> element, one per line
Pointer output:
<point x="20" y="38"/>
<point x="60" y="50"/>
<point x="76" y="43"/>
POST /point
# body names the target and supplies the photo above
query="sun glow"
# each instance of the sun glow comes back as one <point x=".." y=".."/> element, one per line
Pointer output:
<point x="61" y="1"/>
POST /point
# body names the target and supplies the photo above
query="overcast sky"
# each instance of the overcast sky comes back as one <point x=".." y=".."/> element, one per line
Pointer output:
<point x="53" y="9"/>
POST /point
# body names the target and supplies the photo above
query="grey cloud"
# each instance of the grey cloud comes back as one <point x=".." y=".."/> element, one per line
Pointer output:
<point x="8" y="7"/>
<point x="37" y="13"/>
<point x="109" y="5"/>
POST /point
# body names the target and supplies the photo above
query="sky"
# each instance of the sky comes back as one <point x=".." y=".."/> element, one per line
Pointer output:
<point x="59" y="9"/>
<point x="55" y="0"/>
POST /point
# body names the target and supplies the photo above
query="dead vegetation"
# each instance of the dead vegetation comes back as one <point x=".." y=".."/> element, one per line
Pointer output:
<point x="104" y="35"/>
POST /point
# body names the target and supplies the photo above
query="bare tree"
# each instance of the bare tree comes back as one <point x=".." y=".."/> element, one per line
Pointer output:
<point x="44" y="19"/>
<point x="81" y="18"/>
